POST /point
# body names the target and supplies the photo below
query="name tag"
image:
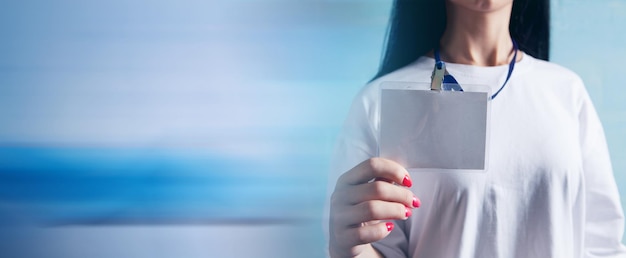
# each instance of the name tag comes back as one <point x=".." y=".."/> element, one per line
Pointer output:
<point x="425" y="129"/>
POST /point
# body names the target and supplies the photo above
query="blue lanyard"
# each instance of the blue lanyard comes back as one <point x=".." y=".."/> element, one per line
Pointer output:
<point x="449" y="79"/>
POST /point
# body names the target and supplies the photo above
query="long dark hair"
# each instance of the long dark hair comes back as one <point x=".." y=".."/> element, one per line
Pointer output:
<point x="417" y="25"/>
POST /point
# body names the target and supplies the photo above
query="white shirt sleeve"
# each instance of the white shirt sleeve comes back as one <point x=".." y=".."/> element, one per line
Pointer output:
<point x="604" y="218"/>
<point x="356" y="143"/>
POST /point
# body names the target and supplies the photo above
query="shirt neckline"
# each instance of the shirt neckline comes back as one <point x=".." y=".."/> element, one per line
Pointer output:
<point x="473" y="71"/>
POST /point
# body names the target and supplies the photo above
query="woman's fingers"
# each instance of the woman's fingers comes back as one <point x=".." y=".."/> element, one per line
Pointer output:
<point x="365" y="234"/>
<point x="365" y="195"/>
<point x="375" y="168"/>
<point x="377" y="190"/>
<point x="350" y="216"/>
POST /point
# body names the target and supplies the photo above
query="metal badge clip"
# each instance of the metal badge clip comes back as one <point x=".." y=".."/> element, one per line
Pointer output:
<point x="437" y="77"/>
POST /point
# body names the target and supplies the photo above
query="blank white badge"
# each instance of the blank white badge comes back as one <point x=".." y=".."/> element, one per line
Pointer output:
<point x="424" y="129"/>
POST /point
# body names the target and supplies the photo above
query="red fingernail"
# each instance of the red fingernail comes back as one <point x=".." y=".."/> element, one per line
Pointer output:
<point x="407" y="181"/>
<point x="389" y="226"/>
<point x="408" y="212"/>
<point x="416" y="202"/>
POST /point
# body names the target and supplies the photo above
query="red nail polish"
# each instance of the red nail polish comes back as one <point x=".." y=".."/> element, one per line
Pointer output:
<point x="416" y="202"/>
<point x="407" y="181"/>
<point x="408" y="212"/>
<point x="389" y="226"/>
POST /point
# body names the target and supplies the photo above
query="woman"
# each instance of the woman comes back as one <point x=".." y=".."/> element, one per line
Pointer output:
<point x="549" y="190"/>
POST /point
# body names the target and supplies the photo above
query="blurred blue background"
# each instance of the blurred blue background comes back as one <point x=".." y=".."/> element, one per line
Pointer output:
<point x="133" y="128"/>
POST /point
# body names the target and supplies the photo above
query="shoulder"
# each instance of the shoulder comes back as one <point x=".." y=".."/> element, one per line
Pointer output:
<point x="365" y="106"/>
<point x="558" y="83"/>
<point x="418" y="71"/>
<point x="553" y="73"/>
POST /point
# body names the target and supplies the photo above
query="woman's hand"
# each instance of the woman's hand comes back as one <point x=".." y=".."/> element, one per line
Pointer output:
<point x="363" y="196"/>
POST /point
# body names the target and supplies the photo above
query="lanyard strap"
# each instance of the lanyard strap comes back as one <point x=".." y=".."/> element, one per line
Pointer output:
<point x="450" y="79"/>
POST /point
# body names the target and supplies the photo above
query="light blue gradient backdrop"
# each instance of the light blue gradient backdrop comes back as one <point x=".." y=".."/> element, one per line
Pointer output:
<point x="217" y="115"/>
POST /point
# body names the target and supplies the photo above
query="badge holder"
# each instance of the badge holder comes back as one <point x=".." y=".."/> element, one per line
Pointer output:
<point x="436" y="126"/>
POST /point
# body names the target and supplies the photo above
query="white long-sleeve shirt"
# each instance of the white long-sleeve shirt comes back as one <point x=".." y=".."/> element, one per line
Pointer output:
<point x="548" y="191"/>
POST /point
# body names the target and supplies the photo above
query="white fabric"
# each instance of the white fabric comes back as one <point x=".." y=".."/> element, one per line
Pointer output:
<point x="549" y="190"/>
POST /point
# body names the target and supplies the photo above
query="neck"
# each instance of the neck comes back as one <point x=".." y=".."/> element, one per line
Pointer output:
<point x="477" y="38"/>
